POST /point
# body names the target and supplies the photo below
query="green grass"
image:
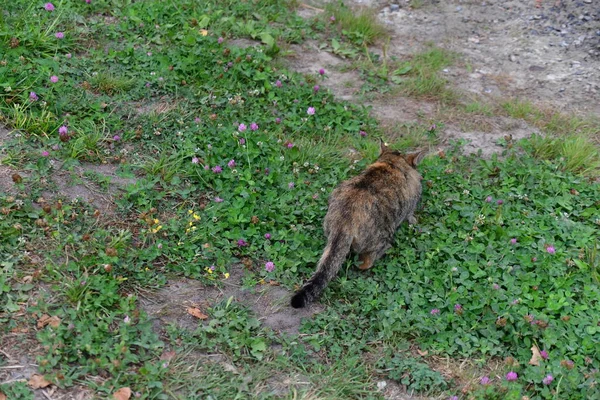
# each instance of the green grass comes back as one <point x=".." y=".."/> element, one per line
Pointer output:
<point x="420" y="76"/>
<point x="360" y="26"/>
<point x="476" y="107"/>
<point x="210" y="195"/>
<point x="577" y="152"/>
<point x="569" y="137"/>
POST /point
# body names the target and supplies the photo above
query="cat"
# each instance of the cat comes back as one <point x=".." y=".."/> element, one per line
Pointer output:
<point x="363" y="215"/>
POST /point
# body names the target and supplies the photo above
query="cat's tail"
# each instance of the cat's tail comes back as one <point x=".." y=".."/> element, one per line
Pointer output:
<point x="333" y="256"/>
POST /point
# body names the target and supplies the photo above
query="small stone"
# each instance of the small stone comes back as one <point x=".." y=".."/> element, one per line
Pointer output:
<point x="381" y="385"/>
<point x="536" y="68"/>
<point x="458" y="9"/>
<point x="562" y="89"/>
<point x="587" y="1"/>
<point x="394" y="7"/>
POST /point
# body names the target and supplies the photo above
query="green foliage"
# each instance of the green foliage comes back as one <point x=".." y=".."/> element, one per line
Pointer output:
<point x="150" y="88"/>
<point x="232" y="329"/>
<point x="16" y="390"/>
<point x="415" y="375"/>
<point x="496" y="297"/>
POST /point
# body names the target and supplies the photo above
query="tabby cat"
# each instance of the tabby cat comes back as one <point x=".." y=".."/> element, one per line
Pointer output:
<point x="363" y="215"/>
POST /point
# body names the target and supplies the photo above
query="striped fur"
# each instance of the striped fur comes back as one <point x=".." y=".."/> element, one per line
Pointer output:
<point x="363" y="216"/>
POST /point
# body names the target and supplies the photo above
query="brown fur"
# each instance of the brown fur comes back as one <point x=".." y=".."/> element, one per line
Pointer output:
<point x="363" y="215"/>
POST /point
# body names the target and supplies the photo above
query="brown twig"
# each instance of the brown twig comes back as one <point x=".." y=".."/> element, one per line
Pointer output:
<point x="311" y="7"/>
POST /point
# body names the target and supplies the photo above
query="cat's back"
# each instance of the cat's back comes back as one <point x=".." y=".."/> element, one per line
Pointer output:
<point x="380" y="179"/>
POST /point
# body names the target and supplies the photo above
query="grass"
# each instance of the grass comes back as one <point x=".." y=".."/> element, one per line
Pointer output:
<point x="420" y="76"/>
<point x="569" y="137"/>
<point x="360" y="26"/>
<point x="237" y="173"/>
<point x="579" y="155"/>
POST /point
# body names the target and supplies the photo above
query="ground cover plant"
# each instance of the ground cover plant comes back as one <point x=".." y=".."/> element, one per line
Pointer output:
<point x="229" y="160"/>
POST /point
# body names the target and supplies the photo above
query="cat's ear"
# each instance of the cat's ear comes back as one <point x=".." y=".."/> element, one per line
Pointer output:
<point x="415" y="159"/>
<point x="382" y="147"/>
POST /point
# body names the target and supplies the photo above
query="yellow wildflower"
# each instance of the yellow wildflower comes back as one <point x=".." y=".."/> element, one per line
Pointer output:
<point x="203" y="32"/>
<point x="226" y="275"/>
<point x="196" y="217"/>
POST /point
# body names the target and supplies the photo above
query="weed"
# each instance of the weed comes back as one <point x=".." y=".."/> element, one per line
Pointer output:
<point x="480" y="108"/>
<point x="417" y="4"/>
<point x="109" y="83"/>
<point x="521" y="109"/>
<point x="420" y="76"/>
<point x="414" y="374"/>
<point x="578" y="153"/>
<point x="361" y="27"/>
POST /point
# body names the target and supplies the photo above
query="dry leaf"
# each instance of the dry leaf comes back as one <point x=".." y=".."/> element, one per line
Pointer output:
<point x="2" y="396"/>
<point x="38" y="381"/>
<point x="48" y="320"/>
<point x="422" y="353"/>
<point x="536" y="357"/>
<point x="122" y="394"/>
<point x="167" y="355"/>
<point x="195" y="312"/>
<point x="274" y="283"/>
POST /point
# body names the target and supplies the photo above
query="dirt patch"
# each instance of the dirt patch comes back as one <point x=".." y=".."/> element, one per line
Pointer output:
<point x="392" y="110"/>
<point x="509" y="48"/>
<point x="489" y="142"/>
<point x="549" y="55"/>
<point x="6" y="181"/>
<point x="7" y="185"/>
<point x="269" y="303"/>
<point x="162" y="106"/>
<point x="72" y="185"/>
<point x="308" y="59"/>
<point x="76" y="186"/>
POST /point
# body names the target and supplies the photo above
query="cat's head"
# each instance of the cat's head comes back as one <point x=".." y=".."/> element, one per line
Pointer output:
<point x="401" y="160"/>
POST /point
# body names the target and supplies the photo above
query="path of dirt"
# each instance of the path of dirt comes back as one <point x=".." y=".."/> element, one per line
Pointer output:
<point x="270" y="303"/>
<point x="549" y="54"/>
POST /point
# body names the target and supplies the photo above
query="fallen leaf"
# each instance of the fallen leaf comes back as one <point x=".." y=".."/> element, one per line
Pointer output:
<point x="2" y="396"/>
<point x="195" y="312"/>
<point x="38" y="381"/>
<point x="167" y="355"/>
<point x="48" y="320"/>
<point x="422" y="353"/>
<point x="536" y="357"/>
<point x="122" y="394"/>
<point x="274" y="283"/>
<point x="229" y="368"/>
